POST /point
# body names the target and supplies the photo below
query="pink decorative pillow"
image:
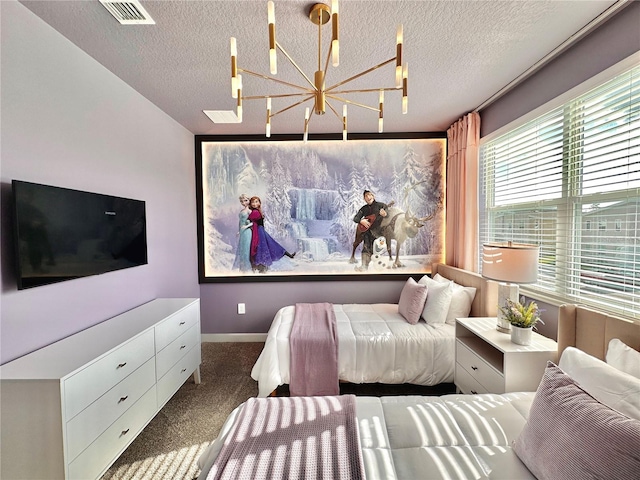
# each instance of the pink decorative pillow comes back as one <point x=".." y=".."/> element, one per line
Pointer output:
<point x="569" y="434"/>
<point x="412" y="301"/>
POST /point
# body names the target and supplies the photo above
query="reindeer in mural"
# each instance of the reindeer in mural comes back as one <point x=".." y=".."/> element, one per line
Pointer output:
<point x="398" y="225"/>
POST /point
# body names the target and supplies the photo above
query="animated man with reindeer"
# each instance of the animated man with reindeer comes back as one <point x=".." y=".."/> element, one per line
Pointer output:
<point x="368" y="219"/>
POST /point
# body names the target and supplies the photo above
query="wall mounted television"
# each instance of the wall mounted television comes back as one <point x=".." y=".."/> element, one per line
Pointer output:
<point x="62" y="234"/>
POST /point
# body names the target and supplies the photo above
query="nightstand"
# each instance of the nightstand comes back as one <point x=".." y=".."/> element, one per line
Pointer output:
<point x="488" y="362"/>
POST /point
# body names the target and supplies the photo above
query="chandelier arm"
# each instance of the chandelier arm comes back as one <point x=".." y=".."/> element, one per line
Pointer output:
<point x="365" y="90"/>
<point x="267" y="77"/>
<point x="350" y="102"/>
<point x="310" y="97"/>
<point x="280" y="95"/>
<point x="365" y="72"/>
<point x="295" y="65"/>
<point x="334" y="110"/>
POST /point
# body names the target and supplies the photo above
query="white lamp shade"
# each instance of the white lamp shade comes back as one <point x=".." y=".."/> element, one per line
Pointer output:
<point x="510" y="262"/>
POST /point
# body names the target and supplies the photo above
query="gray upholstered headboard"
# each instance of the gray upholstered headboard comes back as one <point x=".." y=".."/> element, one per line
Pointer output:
<point x="486" y="299"/>
<point x="591" y="331"/>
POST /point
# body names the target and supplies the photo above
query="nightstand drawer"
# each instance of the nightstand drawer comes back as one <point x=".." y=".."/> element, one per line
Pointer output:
<point x="479" y="369"/>
<point x="466" y="383"/>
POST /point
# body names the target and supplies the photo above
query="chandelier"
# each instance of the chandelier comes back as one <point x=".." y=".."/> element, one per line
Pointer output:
<point x="316" y="90"/>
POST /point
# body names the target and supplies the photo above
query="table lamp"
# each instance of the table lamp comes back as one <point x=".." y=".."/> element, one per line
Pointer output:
<point x="510" y="264"/>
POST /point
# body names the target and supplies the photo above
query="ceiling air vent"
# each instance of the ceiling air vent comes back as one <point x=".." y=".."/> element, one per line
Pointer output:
<point x="128" y="13"/>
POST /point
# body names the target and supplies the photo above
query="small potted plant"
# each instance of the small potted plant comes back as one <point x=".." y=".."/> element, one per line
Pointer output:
<point x="522" y="319"/>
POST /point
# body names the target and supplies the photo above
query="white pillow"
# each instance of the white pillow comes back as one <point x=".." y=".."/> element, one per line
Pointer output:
<point x="623" y="357"/>
<point x="460" y="301"/>
<point x="438" y="301"/>
<point x="608" y="385"/>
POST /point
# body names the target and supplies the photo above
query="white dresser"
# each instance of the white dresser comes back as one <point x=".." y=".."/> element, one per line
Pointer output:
<point x="488" y="362"/>
<point x="70" y="409"/>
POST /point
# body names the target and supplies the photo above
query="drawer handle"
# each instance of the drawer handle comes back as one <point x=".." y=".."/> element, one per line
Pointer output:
<point x="182" y="323"/>
<point x="120" y="365"/>
<point x="183" y="370"/>
<point x="474" y="392"/>
<point x="124" y="432"/>
<point x="182" y="346"/>
<point x="122" y="399"/>
<point x="474" y="368"/>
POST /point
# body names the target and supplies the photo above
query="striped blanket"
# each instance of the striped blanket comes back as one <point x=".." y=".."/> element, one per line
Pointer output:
<point x="292" y="438"/>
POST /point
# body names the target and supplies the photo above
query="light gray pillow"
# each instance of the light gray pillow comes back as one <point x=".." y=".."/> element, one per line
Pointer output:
<point x="623" y="357"/>
<point x="461" y="299"/>
<point x="412" y="300"/>
<point x="605" y="383"/>
<point x="569" y="434"/>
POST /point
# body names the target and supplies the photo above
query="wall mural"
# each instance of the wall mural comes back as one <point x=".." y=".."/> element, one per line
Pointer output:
<point x="276" y="209"/>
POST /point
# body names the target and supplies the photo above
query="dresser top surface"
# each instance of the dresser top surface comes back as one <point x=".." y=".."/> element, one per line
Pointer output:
<point x="65" y="356"/>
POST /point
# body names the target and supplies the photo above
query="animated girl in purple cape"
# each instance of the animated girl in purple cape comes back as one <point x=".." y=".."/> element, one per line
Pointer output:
<point x="264" y="249"/>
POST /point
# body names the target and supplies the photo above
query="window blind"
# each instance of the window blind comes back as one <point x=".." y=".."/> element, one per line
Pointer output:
<point x="569" y="181"/>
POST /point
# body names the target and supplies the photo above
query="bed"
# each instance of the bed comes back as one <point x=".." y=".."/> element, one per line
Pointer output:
<point x="519" y="435"/>
<point x="375" y="342"/>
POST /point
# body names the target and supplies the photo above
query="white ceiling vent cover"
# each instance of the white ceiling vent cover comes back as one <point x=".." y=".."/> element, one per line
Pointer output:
<point x="128" y="13"/>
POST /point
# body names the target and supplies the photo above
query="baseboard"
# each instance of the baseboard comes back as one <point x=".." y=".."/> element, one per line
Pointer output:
<point x="234" y="337"/>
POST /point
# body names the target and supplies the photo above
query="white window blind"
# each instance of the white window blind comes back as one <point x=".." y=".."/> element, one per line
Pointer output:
<point x="569" y="181"/>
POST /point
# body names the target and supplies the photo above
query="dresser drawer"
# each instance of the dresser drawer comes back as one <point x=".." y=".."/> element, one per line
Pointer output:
<point x="177" y="349"/>
<point x="87" y="385"/>
<point x="174" y="326"/>
<point x="104" y="450"/>
<point x="479" y="369"/>
<point x="85" y="427"/>
<point x="177" y="375"/>
<point x="466" y="383"/>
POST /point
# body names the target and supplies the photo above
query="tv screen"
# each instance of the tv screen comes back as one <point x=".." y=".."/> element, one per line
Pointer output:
<point x="62" y="234"/>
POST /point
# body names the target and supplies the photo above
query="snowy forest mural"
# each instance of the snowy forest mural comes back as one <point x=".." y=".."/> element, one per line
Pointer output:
<point x="310" y="193"/>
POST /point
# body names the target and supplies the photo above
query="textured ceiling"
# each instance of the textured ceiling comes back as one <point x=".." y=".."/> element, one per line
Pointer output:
<point x="460" y="53"/>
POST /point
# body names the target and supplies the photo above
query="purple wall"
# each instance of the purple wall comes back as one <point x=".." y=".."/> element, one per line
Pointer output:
<point x="218" y="302"/>
<point x="67" y="121"/>
<point x="611" y="43"/>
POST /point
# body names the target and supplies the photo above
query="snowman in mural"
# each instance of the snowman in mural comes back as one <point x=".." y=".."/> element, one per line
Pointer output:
<point x="380" y="259"/>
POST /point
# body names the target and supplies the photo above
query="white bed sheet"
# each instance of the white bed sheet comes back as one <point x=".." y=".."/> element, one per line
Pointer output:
<point x="375" y="345"/>
<point x="452" y="436"/>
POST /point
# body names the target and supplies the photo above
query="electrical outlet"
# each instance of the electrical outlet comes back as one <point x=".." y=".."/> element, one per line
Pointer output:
<point x="241" y="309"/>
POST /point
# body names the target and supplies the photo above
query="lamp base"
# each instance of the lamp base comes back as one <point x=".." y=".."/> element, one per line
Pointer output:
<point x="506" y="291"/>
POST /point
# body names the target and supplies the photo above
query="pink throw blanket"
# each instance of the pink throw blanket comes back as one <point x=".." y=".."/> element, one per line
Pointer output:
<point x="292" y="438"/>
<point x="313" y="351"/>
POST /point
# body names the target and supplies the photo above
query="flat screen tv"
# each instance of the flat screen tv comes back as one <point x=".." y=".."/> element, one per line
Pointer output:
<point x="62" y="234"/>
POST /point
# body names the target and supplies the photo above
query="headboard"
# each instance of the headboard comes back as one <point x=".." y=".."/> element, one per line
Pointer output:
<point x="485" y="303"/>
<point x="591" y="331"/>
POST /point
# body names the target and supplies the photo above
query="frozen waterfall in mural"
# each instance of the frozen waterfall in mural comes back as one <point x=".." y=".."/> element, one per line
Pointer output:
<point x="310" y="194"/>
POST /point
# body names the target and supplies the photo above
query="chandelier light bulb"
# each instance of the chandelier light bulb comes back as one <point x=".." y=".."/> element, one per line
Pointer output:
<point x="268" y="127"/>
<point x="399" y="42"/>
<point x="306" y="125"/>
<point x="234" y="68"/>
<point x="271" y="18"/>
<point x="335" y="43"/>
<point x="381" y="108"/>
<point x="405" y="79"/>
<point x="344" y="123"/>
